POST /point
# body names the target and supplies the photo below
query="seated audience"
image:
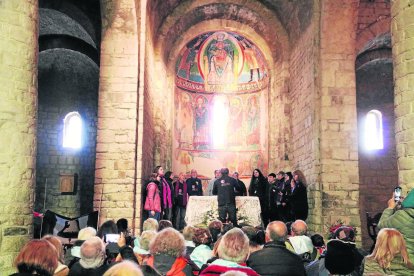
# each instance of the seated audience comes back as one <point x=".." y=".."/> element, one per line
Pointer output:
<point x="126" y="253"/>
<point x="125" y="268"/>
<point x="92" y="260"/>
<point x="390" y="256"/>
<point x="150" y="224"/>
<point x="73" y="254"/>
<point x="142" y="251"/>
<point x="122" y="225"/>
<point x="188" y="233"/>
<point x="275" y="258"/>
<point x="401" y="219"/>
<point x="108" y="227"/>
<point x="202" y="252"/>
<point x="61" y="270"/>
<point x="233" y="250"/>
<point x="300" y="243"/>
<point x="256" y="240"/>
<point x="164" y="224"/>
<point x="37" y="257"/>
<point x="215" y="228"/>
<point x="167" y="253"/>
<point x="319" y="243"/>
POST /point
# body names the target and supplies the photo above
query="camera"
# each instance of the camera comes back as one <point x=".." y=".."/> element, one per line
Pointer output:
<point x="112" y="238"/>
<point x="397" y="193"/>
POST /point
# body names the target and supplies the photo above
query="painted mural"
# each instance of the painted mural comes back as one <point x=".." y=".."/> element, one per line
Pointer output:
<point x="220" y="105"/>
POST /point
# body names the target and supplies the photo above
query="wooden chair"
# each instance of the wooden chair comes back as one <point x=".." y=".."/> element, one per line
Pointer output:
<point x="372" y="223"/>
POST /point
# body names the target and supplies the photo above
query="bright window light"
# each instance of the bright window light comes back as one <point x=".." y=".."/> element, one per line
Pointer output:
<point x="219" y="123"/>
<point x="373" y="130"/>
<point x="72" y="130"/>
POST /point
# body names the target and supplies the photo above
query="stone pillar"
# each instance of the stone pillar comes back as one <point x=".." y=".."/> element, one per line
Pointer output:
<point x="116" y="149"/>
<point x="402" y="14"/>
<point x="18" y="106"/>
<point x="339" y="176"/>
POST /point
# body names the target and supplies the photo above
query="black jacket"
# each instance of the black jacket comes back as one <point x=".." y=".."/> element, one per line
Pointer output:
<point x="275" y="259"/>
<point x="298" y="200"/>
<point x="194" y="187"/>
<point x="224" y="188"/>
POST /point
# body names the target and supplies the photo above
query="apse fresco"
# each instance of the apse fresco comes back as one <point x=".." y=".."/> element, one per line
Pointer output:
<point x="220" y="105"/>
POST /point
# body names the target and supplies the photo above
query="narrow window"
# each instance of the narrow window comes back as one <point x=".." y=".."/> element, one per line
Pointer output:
<point x="72" y="130"/>
<point x="373" y="130"/>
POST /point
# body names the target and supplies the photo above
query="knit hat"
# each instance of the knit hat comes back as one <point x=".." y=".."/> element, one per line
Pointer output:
<point x="339" y="257"/>
<point x="409" y="200"/>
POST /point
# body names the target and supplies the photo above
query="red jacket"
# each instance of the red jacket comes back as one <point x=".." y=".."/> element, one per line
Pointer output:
<point x="153" y="199"/>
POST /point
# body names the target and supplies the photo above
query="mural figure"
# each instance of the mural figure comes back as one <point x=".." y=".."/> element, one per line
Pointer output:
<point x="235" y="131"/>
<point x="201" y="132"/>
<point x="184" y="121"/>
<point x="250" y="57"/>
<point x="189" y="57"/>
<point x="253" y="121"/>
<point x="220" y="57"/>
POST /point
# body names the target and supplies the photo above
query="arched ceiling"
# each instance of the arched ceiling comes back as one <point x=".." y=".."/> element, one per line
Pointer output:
<point x="278" y="22"/>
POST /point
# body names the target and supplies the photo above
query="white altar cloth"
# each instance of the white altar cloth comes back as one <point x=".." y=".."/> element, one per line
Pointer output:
<point x="204" y="209"/>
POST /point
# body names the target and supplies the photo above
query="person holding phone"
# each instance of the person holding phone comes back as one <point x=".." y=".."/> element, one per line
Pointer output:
<point x="401" y="219"/>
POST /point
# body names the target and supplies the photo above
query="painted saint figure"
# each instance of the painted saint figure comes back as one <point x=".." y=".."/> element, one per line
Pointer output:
<point x="253" y="120"/>
<point x="201" y="132"/>
<point x="220" y="58"/>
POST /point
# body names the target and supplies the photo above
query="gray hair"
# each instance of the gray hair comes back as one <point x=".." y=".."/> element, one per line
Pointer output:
<point x="92" y="253"/>
<point x="234" y="246"/>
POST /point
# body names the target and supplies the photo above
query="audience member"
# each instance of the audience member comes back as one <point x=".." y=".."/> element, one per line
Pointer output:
<point x="319" y="243"/>
<point x="73" y="254"/>
<point x="234" y="273"/>
<point x="254" y="238"/>
<point x="150" y="224"/>
<point x="167" y="253"/>
<point x="92" y="260"/>
<point x="401" y="219"/>
<point x="215" y="228"/>
<point x="61" y="270"/>
<point x="390" y="255"/>
<point x="122" y="225"/>
<point x="164" y="224"/>
<point x="188" y="233"/>
<point x="233" y="251"/>
<point x="126" y="253"/>
<point x="202" y="252"/>
<point x="142" y="251"/>
<point x="108" y="227"/>
<point x="275" y="258"/>
<point x="37" y="257"/>
<point x="300" y="243"/>
<point x="125" y="268"/>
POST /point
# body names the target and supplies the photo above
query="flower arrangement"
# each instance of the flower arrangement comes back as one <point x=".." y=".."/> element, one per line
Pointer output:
<point x="212" y="215"/>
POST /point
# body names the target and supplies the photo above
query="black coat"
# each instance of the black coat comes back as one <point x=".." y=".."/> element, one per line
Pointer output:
<point x="275" y="259"/>
<point x="298" y="200"/>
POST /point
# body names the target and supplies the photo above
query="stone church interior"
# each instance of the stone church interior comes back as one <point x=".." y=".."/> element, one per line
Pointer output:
<point x="97" y="93"/>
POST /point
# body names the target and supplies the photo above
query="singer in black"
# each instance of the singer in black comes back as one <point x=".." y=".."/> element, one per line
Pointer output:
<point x="224" y="188"/>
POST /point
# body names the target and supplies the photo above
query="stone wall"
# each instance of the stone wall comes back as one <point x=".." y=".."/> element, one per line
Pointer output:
<point x="116" y="150"/>
<point x="18" y="79"/>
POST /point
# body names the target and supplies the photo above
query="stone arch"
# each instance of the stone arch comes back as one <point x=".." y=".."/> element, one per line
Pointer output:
<point x="373" y="30"/>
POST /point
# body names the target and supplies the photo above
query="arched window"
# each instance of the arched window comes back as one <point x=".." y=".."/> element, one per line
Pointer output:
<point x="72" y="130"/>
<point x="373" y="130"/>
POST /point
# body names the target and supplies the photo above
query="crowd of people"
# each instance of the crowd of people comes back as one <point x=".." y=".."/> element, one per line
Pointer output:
<point x="281" y="246"/>
<point x="282" y="196"/>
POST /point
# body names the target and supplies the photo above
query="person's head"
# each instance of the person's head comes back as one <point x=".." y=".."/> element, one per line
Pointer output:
<point x="226" y="227"/>
<point x="164" y="224"/>
<point x="86" y="233"/>
<point x="217" y="174"/>
<point x="124" y="268"/>
<point x="154" y="177"/>
<point x="159" y="170"/>
<point x="37" y="257"/>
<point x="127" y="253"/>
<point x="288" y="177"/>
<point x="224" y="171"/>
<point x="234" y="246"/>
<point x="194" y="173"/>
<point x="234" y="273"/>
<point x="92" y="253"/>
<point x="150" y="224"/>
<point x="299" y="228"/>
<point x="168" y="175"/>
<point x="57" y="244"/>
<point x="298" y="176"/>
<point x="202" y="236"/>
<point x="280" y="175"/>
<point x="390" y="242"/>
<point x="276" y="231"/>
<point x="236" y="175"/>
<point x="345" y="233"/>
<point x="169" y="242"/>
<point x="254" y="235"/>
<point x="317" y="240"/>
<point x="108" y="227"/>
<point x="215" y="229"/>
<point x="256" y="173"/>
<point x="146" y="238"/>
<point x="340" y="257"/>
<point x="181" y="177"/>
<point x="271" y="177"/>
<point x="122" y="225"/>
<point x="188" y="232"/>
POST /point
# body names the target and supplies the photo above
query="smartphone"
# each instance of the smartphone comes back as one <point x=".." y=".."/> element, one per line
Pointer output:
<point x="397" y="193"/>
<point x="112" y="237"/>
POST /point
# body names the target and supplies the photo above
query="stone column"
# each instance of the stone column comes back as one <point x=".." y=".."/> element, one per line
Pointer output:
<point x="18" y="107"/>
<point x="339" y="175"/>
<point x="402" y="32"/>
<point x="116" y="149"/>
